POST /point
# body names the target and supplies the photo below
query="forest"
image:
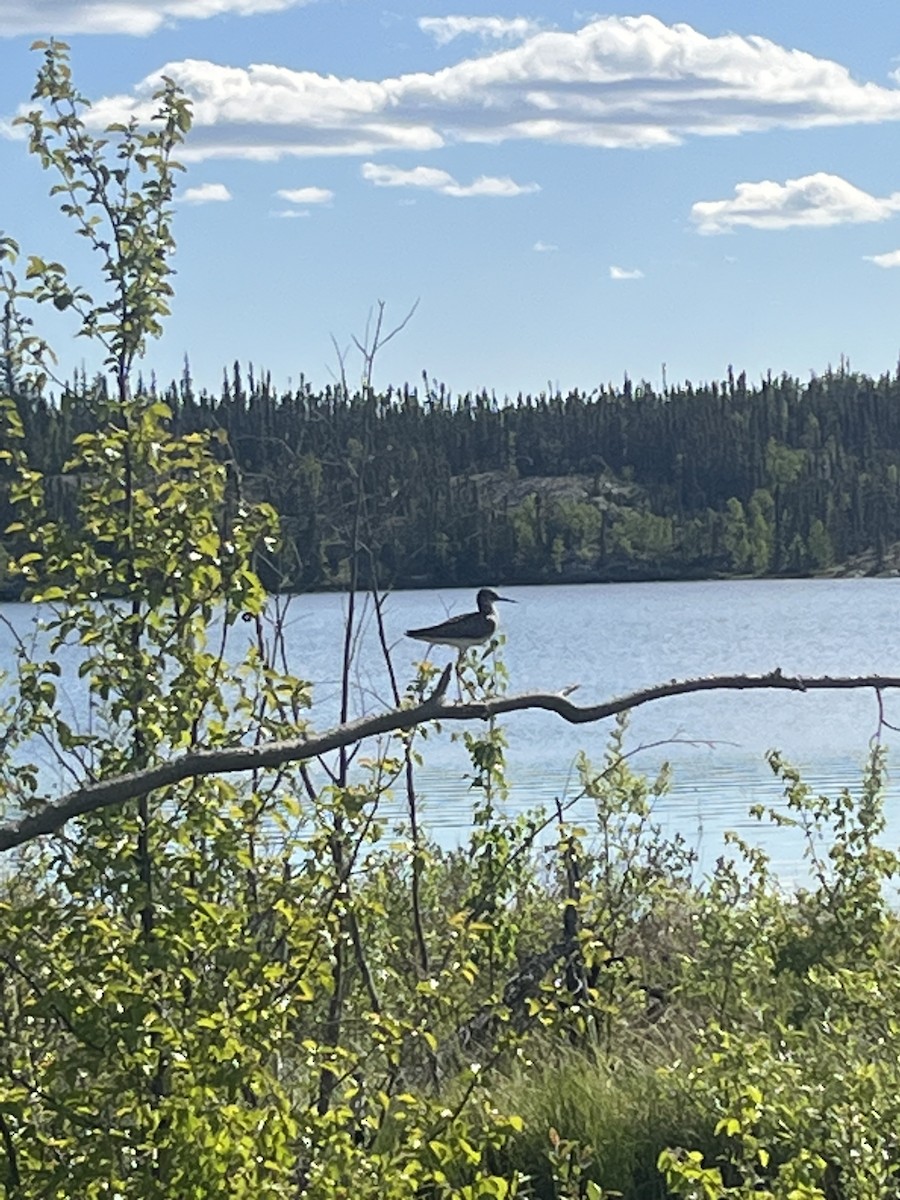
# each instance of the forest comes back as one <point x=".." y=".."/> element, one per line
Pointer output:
<point x="225" y="972"/>
<point x="728" y="478"/>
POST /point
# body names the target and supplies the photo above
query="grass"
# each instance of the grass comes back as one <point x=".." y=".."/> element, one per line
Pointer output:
<point x="613" y="1117"/>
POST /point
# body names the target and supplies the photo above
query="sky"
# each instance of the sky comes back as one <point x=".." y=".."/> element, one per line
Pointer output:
<point x="564" y="196"/>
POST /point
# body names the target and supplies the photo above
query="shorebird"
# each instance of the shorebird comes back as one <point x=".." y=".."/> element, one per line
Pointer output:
<point x="468" y="629"/>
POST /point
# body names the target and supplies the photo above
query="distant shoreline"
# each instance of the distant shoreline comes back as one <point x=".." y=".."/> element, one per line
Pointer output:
<point x="854" y="569"/>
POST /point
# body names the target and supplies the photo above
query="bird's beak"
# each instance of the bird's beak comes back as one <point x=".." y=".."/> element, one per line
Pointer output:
<point x="507" y="600"/>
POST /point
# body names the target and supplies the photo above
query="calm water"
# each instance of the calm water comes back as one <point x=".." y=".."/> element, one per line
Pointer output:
<point x="613" y="639"/>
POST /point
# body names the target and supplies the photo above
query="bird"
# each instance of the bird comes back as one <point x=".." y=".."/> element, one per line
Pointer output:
<point x="468" y="629"/>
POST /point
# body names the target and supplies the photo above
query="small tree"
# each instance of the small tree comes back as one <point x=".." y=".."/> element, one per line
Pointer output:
<point x="133" y="1074"/>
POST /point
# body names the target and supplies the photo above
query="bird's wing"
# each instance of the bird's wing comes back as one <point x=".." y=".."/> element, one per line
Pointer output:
<point x="448" y="626"/>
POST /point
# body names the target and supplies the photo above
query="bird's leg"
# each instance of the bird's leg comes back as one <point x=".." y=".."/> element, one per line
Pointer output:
<point x="459" y="665"/>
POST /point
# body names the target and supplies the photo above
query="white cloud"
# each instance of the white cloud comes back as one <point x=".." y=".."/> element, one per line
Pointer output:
<point x="625" y="273"/>
<point x="435" y="180"/>
<point x="264" y="112"/>
<point x="306" y="195"/>
<point x="891" y="259"/>
<point x="544" y="247"/>
<point x="206" y="193"/>
<point x="288" y="213"/>
<point x="616" y="82"/>
<point x="497" y="29"/>
<point x="422" y="177"/>
<point x="135" y="17"/>
<point x="816" y="200"/>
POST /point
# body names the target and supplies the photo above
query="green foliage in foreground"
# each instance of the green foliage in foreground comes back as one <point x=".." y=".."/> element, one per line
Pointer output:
<point x="264" y="987"/>
<point x="582" y="1019"/>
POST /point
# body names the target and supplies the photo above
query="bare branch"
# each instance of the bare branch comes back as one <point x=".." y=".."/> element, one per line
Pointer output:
<point x="370" y="346"/>
<point x="199" y="763"/>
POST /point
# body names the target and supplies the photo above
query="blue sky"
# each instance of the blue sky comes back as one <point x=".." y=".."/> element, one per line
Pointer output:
<point x="569" y="195"/>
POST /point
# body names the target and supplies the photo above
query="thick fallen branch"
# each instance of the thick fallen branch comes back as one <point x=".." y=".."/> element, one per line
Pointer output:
<point x="198" y="763"/>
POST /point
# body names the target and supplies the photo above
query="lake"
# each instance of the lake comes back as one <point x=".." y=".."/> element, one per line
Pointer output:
<point x="611" y="639"/>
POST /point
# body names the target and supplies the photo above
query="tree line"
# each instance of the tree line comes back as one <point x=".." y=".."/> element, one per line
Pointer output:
<point x="724" y="478"/>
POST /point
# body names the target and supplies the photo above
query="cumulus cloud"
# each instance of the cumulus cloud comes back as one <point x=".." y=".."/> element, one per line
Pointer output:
<point x="135" y="17"/>
<point x="816" y="200"/>
<point x="497" y="29"/>
<point x="544" y="247"/>
<point x="435" y="180"/>
<point x="264" y="112"/>
<point x="206" y="193"/>
<point x="306" y="195"/>
<point x="615" y="82"/>
<point x="625" y="273"/>
<point x="891" y="259"/>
